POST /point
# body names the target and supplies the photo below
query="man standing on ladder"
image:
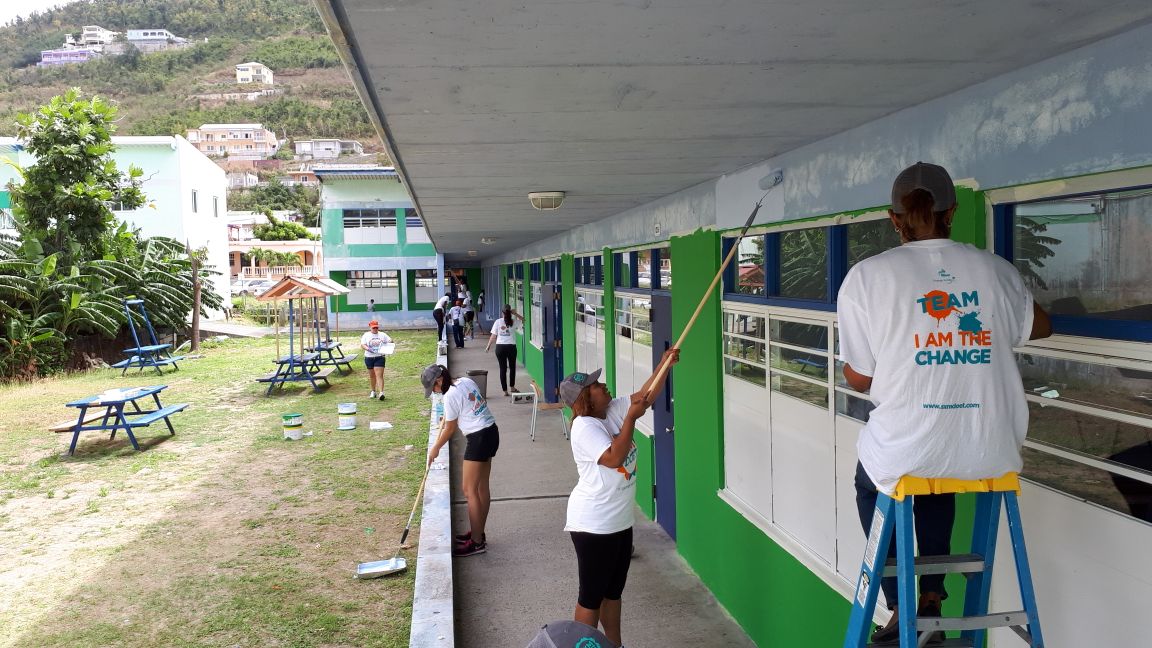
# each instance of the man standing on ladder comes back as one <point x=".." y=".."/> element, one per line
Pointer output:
<point x="928" y="330"/>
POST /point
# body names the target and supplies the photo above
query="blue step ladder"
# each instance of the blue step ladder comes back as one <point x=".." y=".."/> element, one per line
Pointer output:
<point x="896" y="511"/>
<point x="155" y="354"/>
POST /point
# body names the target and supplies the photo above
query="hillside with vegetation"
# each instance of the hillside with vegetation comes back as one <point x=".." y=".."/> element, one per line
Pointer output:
<point x="155" y="93"/>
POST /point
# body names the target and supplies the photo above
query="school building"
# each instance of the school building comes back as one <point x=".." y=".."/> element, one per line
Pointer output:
<point x="664" y="123"/>
<point x="375" y="244"/>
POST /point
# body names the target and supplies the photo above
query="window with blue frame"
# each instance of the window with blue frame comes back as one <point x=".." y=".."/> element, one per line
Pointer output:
<point x="625" y="263"/>
<point x="1085" y="259"/>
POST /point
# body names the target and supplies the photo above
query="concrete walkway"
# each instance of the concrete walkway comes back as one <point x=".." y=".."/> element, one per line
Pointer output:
<point x="209" y="328"/>
<point x="528" y="576"/>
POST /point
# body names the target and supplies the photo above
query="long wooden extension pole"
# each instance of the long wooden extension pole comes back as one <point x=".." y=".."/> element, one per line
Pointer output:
<point x="654" y="386"/>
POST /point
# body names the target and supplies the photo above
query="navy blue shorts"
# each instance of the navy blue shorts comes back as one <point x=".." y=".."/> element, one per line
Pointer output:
<point x="378" y="361"/>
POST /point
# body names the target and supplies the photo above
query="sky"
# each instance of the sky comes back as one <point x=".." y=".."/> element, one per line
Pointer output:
<point x="9" y="9"/>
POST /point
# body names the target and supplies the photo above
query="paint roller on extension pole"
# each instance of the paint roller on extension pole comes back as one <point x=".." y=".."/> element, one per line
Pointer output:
<point x="767" y="183"/>
<point x="395" y="564"/>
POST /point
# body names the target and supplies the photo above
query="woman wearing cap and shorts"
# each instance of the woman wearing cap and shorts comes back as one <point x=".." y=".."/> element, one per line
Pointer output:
<point x="372" y="343"/>
<point x="929" y="329"/>
<point x="600" y="514"/>
<point x="466" y="409"/>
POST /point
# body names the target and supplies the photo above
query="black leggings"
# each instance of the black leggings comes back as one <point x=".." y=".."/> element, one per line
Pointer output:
<point x="506" y="357"/>
<point x="603" y="561"/>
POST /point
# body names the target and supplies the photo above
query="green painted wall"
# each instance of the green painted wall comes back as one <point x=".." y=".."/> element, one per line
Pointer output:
<point x="776" y="599"/>
<point x="610" y="316"/>
<point x="969" y="223"/>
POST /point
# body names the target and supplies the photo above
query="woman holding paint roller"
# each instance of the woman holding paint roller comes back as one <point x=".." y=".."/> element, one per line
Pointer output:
<point x="466" y="409"/>
<point x="600" y="506"/>
<point x="929" y="329"/>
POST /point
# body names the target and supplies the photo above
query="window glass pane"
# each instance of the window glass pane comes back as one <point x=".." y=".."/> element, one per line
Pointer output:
<point x="1093" y="484"/>
<point x="1087" y="255"/>
<point x="853" y="407"/>
<point x="812" y="336"/>
<point x="801" y="389"/>
<point x="745" y="371"/>
<point x="870" y="238"/>
<point x="800" y="362"/>
<point x="750" y="269"/>
<point x="804" y="264"/>
<point x="666" y="268"/>
<point x="1091" y="435"/>
<point x="744" y="349"/>
<point x="624" y="278"/>
<point x="1114" y="388"/>
<point x="747" y="325"/>
<point x="644" y="269"/>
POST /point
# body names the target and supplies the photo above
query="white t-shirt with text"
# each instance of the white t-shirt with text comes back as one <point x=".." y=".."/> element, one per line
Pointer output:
<point x="602" y="500"/>
<point x="934" y="323"/>
<point x="505" y="333"/>
<point x="372" y="342"/>
<point x="441" y="303"/>
<point x="465" y="404"/>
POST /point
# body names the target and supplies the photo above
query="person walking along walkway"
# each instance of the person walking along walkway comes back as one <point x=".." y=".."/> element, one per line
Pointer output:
<point x="372" y="343"/>
<point x="504" y="336"/>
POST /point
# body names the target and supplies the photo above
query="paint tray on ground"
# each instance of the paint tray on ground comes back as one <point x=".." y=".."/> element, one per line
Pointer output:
<point x="380" y="568"/>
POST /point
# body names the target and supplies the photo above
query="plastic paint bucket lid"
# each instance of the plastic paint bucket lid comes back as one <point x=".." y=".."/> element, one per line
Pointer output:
<point x="346" y="408"/>
<point x="292" y="420"/>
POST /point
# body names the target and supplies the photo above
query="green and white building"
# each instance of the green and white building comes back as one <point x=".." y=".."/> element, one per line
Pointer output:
<point x="375" y="244"/>
<point x="664" y="123"/>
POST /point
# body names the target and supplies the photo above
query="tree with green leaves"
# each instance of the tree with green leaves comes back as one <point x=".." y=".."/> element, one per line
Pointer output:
<point x="65" y="197"/>
<point x="278" y="230"/>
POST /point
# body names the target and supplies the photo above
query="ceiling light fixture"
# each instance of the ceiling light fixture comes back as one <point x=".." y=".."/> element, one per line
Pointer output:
<point x="546" y="200"/>
<point x="488" y="240"/>
<point x="471" y="252"/>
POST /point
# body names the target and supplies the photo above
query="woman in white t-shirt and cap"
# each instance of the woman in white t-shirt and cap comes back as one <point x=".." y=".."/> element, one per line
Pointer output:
<point x="504" y="336"/>
<point x="465" y="409"/>
<point x="373" y="343"/>
<point x="929" y="329"/>
<point x="600" y="514"/>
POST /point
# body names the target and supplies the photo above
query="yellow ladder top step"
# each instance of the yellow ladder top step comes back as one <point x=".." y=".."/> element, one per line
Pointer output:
<point x="909" y="485"/>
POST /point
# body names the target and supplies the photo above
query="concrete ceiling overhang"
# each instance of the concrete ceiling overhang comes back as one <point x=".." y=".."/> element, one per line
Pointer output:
<point x="620" y="102"/>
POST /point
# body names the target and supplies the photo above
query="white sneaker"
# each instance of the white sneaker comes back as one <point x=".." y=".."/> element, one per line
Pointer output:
<point x="371" y="394"/>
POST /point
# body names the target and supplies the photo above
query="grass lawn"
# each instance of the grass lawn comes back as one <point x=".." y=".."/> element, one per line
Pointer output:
<point x="224" y="534"/>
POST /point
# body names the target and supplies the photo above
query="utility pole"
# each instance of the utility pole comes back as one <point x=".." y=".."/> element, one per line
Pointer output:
<point x="194" y="257"/>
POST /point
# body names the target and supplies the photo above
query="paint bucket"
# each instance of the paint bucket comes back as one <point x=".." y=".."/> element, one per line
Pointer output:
<point x="293" y="426"/>
<point x="347" y="414"/>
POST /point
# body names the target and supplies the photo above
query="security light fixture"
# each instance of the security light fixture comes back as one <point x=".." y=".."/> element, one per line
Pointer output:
<point x="488" y="240"/>
<point x="471" y="252"/>
<point x="546" y="200"/>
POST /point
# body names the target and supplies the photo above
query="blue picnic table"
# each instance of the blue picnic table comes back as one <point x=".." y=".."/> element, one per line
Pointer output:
<point x="331" y="354"/>
<point x="296" y="368"/>
<point x="109" y="411"/>
<point x="153" y="355"/>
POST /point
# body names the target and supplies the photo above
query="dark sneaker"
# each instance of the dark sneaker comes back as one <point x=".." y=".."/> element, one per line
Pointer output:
<point x="469" y="548"/>
<point x="381" y="395"/>
<point x="931" y="608"/>
<point x="888" y="635"/>
<point x="467" y="535"/>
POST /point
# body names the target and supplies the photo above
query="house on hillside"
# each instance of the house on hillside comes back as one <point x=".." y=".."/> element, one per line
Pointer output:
<point x="95" y="37"/>
<point x="326" y="148"/>
<point x="376" y="245"/>
<point x="186" y="193"/>
<point x="155" y="40"/>
<point x="242" y="179"/>
<point x="67" y="56"/>
<point x="253" y="72"/>
<point x="242" y="240"/>
<point x="302" y="176"/>
<point x="236" y="141"/>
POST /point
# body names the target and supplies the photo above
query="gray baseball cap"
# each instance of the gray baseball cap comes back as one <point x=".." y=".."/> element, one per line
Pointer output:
<point x="932" y="178"/>
<point x="575" y="383"/>
<point x="429" y="376"/>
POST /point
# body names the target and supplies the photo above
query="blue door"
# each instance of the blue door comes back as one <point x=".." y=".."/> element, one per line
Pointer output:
<point x="553" y="341"/>
<point x="663" y="424"/>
